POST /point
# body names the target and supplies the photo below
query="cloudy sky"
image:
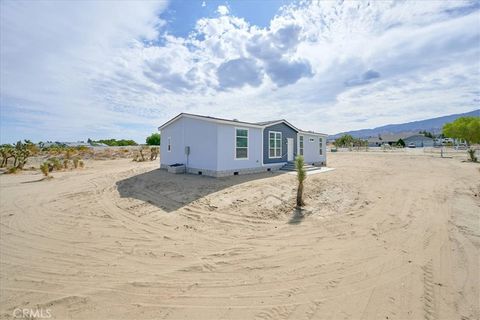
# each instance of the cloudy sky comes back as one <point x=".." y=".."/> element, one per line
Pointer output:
<point x="72" y="70"/>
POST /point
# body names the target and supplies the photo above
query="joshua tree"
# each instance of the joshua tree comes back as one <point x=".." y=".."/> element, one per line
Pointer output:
<point x="301" y="175"/>
<point x="21" y="152"/>
<point x="6" y="152"/>
<point x="142" y="156"/>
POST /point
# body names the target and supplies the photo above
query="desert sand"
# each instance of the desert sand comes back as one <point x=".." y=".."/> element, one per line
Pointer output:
<point x="383" y="236"/>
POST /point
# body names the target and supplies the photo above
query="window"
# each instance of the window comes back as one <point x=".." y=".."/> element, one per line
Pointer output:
<point x="300" y="145"/>
<point x="241" y="144"/>
<point x="320" y="143"/>
<point x="275" y="144"/>
<point x="169" y="144"/>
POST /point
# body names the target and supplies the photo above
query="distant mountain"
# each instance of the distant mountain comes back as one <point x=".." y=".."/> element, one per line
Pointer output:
<point x="433" y="125"/>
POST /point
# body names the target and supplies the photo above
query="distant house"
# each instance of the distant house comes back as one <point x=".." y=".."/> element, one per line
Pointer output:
<point x="221" y="147"/>
<point x="419" y="140"/>
<point x="388" y="138"/>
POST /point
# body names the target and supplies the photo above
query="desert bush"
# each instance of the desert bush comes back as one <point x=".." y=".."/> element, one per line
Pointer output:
<point x="135" y="157"/>
<point x="68" y="153"/>
<point x="154" y="151"/>
<point x="45" y="169"/>
<point x="471" y="154"/>
<point x="75" y="162"/>
<point x="81" y="164"/>
<point x="12" y="170"/>
<point x="57" y="165"/>
<point x="114" y="142"/>
<point x="142" y="156"/>
<point x="65" y="163"/>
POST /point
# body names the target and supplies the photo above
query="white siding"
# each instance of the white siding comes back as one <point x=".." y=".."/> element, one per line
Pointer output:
<point x="200" y="135"/>
<point x="311" y="151"/>
<point x="175" y="133"/>
<point x="226" y="148"/>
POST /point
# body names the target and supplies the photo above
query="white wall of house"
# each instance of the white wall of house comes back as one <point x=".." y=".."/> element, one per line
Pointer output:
<point x="173" y="134"/>
<point x="200" y="135"/>
<point x="227" y="144"/>
<point x="213" y="145"/>
<point x="311" y="149"/>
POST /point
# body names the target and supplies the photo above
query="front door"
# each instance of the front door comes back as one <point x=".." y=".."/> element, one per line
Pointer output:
<point x="289" y="149"/>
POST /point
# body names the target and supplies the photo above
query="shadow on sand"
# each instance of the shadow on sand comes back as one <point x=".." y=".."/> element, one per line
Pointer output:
<point x="298" y="216"/>
<point x="170" y="192"/>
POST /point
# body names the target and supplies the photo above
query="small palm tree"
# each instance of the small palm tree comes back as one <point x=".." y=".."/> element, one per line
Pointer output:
<point x="301" y="175"/>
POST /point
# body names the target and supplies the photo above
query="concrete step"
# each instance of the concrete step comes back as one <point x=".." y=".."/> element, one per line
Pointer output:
<point x="291" y="167"/>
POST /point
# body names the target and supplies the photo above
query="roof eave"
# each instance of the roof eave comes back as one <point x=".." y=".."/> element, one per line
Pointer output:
<point x="209" y="119"/>
<point x="313" y="133"/>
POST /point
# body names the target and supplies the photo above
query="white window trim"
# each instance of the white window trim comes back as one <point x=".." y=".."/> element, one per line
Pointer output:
<point x="169" y="144"/>
<point x="299" y="148"/>
<point x="235" y="144"/>
<point x="269" y="147"/>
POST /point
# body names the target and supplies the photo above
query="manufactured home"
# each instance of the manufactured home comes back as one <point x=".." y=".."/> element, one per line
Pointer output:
<point x="221" y="147"/>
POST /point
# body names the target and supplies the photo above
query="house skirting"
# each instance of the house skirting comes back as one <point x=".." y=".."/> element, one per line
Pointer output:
<point x="225" y="173"/>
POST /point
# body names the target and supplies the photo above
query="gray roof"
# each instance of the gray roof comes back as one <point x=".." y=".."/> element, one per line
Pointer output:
<point x="394" y="137"/>
<point x="266" y="123"/>
<point x="234" y="121"/>
<point x="416" y="136"/>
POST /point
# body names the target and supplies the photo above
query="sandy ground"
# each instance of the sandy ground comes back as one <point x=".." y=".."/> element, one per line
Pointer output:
<point x="384" y="236"/>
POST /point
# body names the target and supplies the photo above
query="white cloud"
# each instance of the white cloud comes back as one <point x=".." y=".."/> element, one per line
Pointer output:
<point x="222" y="10"/>
<point x="54" y="52"/>
<point x="104" y="70"/>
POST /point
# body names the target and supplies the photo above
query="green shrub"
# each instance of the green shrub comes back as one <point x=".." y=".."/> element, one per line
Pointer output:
<point x="471" y="153"/>
<point x="56" y="163"/>
<point x="12" y="170"/>
<point x="114" y="142"/>
<point x="75" y="162"/>
<point x="153" y="139"/>
<point x="45" y="168"/>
